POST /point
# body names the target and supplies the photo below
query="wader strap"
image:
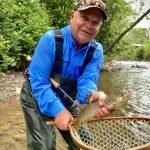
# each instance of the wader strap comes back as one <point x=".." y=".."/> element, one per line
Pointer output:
<point x="57" y="67"/>
<point x="58" y="62"/>
<point x="89" y="56"/>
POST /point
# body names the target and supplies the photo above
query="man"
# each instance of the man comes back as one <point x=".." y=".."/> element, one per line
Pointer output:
<point x="40" y="100"/>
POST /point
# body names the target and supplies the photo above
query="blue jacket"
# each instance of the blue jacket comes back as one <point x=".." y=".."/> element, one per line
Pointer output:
<point x="41" y="67"/>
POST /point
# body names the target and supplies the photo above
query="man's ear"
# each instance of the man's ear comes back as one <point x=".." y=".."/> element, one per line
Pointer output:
<point x="72" y="14"/>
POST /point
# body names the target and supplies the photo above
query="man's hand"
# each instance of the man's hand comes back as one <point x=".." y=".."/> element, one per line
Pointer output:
<point x="101" y="97"/>
<point x="63" y="120"/>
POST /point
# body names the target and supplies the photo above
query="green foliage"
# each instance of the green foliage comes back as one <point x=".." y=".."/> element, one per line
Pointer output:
<point x="138" y="35"/>
<point x="22" y="22"/>
<point x="59" y="10"/>
<point x="5" y="59"/>
<point x="123" y="51"/>
<point x="120" y="17"/>
<point x="128" y="50"/>
<point x="138" y="47"/>
<point x="21" y="25"/>
<point x="119" y="13"/>
<point x="147" y="50"/>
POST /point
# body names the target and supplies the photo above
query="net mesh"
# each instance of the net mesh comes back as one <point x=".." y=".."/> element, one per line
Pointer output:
<point x="114" y="134"/>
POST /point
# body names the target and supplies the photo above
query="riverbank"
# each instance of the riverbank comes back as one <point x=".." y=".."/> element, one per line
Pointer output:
<point x="12" y="125"/>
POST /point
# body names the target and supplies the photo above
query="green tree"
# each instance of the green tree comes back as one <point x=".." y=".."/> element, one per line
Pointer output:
<point x="147" y="50"/>
<point x="126" y="31"/>
<point x="59" y="11"/>
<point x="119" y="13"/>
<point x="21" y="25"/>
<point x="138" y="35"/>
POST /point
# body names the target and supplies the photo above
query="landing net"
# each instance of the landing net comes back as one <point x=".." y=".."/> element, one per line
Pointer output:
<point x="119" y="133"/>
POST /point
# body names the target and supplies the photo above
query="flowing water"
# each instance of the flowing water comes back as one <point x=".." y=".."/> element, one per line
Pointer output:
<point x="132" y="79"/>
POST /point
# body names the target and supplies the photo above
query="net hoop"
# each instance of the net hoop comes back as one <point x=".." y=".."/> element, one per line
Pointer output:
<point x="77" y="140"/>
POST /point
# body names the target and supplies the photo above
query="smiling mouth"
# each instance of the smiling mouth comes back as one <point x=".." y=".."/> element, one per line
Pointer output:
<point x="86" y="32"/>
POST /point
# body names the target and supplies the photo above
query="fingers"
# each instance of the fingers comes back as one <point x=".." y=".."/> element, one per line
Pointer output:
<point x="63" y="119"/>
<point x="102" y="112"/>
<point x="70" y="124"/>
<point x="97" y="95"/>
<point x="101" y="97"/>
<point x="101" y="103"/>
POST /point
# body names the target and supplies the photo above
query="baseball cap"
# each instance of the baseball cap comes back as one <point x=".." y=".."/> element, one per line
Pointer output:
<point x="86" y="4"/>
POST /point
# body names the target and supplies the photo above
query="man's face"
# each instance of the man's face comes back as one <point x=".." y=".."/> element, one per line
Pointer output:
<point x="85" y="25"/>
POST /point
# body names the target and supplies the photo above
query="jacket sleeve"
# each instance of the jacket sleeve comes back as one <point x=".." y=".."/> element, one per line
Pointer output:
<point x="88" y="81"/>
<point x="39" y="73"/>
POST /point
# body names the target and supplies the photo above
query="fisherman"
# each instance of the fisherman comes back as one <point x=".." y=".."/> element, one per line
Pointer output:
<point x="73" y="58"/>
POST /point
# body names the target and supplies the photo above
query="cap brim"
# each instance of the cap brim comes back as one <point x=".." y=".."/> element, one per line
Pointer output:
<point x="101" y="10"/>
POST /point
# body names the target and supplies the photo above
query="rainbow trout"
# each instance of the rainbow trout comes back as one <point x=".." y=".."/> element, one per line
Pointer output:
<point x="88" y="113"/>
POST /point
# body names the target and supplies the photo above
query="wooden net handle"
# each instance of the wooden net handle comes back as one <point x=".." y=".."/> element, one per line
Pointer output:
<point x="50" y="122"/>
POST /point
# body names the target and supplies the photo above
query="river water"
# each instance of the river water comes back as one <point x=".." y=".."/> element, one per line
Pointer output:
<point x="133" y="78"/>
